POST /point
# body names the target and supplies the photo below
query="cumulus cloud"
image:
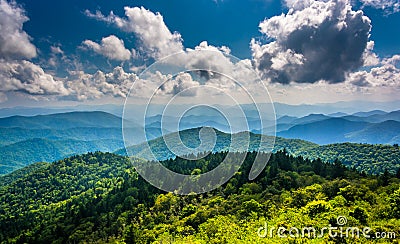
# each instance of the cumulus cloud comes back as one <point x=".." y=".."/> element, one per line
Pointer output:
<point x="155" y="37"/>
<point x="111" y="47"/>
<point x="389" y="6"/>
<point x="17" y="73"/>
<point x="56" y="54"/>
<point x="14" y="41"/>
<point x="370" y="58"/>
<point x="206" y="62"/>
<point x="85" y="86"/>
<point x="387" y="74"/>
<point x="182" y="85"/>
<point x="315" y="40"/>
<point x="158" y="41"/>
<point x="24" y="76"/>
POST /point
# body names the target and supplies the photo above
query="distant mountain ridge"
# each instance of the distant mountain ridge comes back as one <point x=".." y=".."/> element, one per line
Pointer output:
<point x="332" y="130"/>
<point x="63" y="120"/>
<point x="29" y="139"/>
<point x="317" y="128"/>
<point x="373" y="159"/>
<point x="23" y="153"/>
<point x="24" y="139"/>
<point x="374" y="128"/>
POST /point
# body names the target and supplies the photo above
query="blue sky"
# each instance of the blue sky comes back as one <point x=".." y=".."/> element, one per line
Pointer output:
<point x="63" y="48"/>
<point x="231" y="23"/>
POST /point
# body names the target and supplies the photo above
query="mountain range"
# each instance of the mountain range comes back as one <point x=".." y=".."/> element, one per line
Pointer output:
<point x="368" y="158"/>
<point x="28" y="139"/>
<point x="375" y="127"/>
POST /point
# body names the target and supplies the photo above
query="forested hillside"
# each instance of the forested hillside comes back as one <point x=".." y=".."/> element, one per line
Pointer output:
<point x="23" y="153"/>
<point x="98" y="197"/>
<point x="26" y="140"/>
<point x="372" y="159"/>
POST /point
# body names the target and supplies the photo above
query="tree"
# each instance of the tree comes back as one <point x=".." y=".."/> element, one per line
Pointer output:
<point x="395" y="203"/>
<point x="338" y="169"/>
<point x="384" y="178"/>
<point x="360" y="214"/>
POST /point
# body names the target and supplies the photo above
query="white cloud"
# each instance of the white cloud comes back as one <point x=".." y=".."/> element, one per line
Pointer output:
<point x="389" y="6"/>
<point x="395" y="59"/>
<point x="213" y="60"/>
<point x="20" y="75"/>
<point x="24" y="76"/>
<point x="14" y="41"/>
<point x="85" y="86"/>
<point x="17" y="74"/>
<point x="387" y="74"/>
<point x="156" y="39"/>
<point x="370" y="58"/>
<point x="56" y="50"/>
<point x="298" y="5"/>
<point x="56" y="55"/>
<point x="111" y="47"/>
<point x="182" y="85"/>
<point x="315" y="40"/>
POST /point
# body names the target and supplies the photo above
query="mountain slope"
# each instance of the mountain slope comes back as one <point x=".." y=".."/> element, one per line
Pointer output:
<point x="285" y="119"/>
<point x="26" y="140"/>
<point x="369" y="113"/>
<point x="374" y="159"/>
<point x="23" y="153"/>
<point x="381" y="133"/>
<point x="191" y="139"/>
<point x="394" y="115"/>
<point x="63" y="120"/>
<point x="21" y="173"/>
<point x="99" y="198"/>
<point x="310" y="118"/>
<point x="328" y="131"/>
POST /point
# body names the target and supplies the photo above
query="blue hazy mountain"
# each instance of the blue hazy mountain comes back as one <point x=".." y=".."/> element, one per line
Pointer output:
<point x="310" y="118"/>
<point x="361" y="156"/>
<point x="29" y="139"/>
<point x="336" y="130"/>
<point x="20" y="154"/>
<point x="286" y="119"/>
<point x="337" y="114"/>
<point x="190" y="138"/>
<point x="386" y="132"/>
<point x="332" y="130"/>
<point x="63" y="120"/>
<point x="369" y="113"/>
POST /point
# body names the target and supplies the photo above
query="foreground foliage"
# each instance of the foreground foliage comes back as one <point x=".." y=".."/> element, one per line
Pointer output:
<point x="98" y="197"/>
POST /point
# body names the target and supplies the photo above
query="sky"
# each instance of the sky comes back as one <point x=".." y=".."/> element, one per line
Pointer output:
<point x="59" y="53"/>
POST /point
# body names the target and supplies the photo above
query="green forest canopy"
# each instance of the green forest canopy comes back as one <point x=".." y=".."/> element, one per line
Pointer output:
<point x="98" y="197"/>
